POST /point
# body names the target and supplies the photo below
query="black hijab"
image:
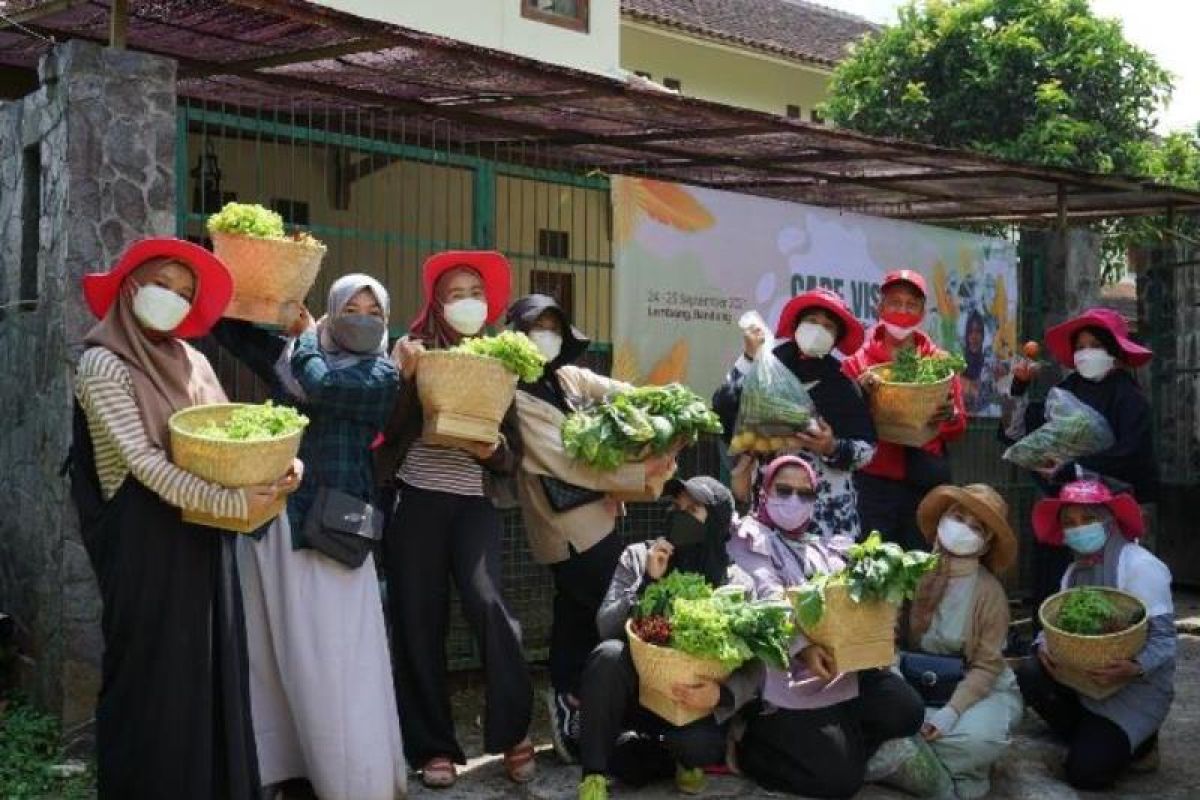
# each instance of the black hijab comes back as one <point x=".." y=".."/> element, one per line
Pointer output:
<point x="522" y="314"/>
<point x="709" y="557"/>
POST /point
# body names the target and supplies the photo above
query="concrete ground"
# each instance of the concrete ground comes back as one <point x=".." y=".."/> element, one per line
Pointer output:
<point x="1030" y="770"/>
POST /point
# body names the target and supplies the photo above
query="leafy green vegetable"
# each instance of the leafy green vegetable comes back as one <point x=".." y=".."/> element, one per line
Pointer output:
<point x="875" y="570"/>
<point x="766" y="628"/>
<point x="514" y="350"/>
<point x="636" y="423"/>
<point x="703" y="628"/>
<point x="249" y="219"/>
<point x="658" y="597"/>
<point x="908" y="367"/>
<point x="253" y="423"/>
<point x="1072" y="429"/>
<point x="1087" y="612"/>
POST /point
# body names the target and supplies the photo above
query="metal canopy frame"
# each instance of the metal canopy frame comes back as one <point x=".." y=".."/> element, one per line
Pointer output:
<point x="278" y="53"/>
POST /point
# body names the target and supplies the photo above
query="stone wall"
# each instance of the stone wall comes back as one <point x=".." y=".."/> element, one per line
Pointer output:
<point x="100" y="130"/>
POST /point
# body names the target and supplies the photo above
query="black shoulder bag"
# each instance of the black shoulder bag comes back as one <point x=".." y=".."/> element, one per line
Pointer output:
<point x="343" y="527"/>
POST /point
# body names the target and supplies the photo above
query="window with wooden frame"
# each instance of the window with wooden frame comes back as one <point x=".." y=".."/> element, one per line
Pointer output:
<point x="569" y="14"/>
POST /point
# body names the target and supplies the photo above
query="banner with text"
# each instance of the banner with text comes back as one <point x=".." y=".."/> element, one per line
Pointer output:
<point x="690" y="261"/>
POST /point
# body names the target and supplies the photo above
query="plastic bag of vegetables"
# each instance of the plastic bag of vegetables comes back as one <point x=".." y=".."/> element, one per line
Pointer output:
<point x="774" y="406"/>
<point x="1072" y="430"/>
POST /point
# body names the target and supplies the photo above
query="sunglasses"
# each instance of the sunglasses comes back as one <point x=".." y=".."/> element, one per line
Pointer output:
<point x="786" y="492"/>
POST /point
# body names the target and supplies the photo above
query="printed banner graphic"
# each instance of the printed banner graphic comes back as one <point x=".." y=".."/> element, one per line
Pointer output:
<point x="690" y="261"/>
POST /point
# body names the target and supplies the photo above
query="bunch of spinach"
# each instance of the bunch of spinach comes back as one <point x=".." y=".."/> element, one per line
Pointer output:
<point x="875" y="571"/>
<point x="1088" y="612"/>
<point x="637" y="423"/>
<point x="908" y="367"/>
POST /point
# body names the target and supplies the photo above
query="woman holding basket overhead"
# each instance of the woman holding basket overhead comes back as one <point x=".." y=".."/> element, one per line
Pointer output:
<point x="447" y="526"/>
<point x="321" y="681"/>
<point x="173" y="717"/>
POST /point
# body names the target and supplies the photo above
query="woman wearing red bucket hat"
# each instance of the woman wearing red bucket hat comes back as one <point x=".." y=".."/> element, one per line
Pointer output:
<point x="810" y="326"/>
<point x="175" y="646"/>
<point x="1105" y="737"/>
<point x="1097" y="346"/>
<point x="447" y="524"/>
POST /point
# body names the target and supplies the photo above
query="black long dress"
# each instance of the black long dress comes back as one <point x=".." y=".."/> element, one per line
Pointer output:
<point x="173" y="717"/>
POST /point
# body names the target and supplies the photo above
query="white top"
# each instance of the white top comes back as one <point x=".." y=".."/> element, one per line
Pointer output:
<point x="1143" y="575"/>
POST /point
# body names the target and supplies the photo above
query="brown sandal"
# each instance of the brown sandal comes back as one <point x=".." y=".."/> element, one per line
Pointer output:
<point x="439" y="773"/>
<point x="519" y="763"/>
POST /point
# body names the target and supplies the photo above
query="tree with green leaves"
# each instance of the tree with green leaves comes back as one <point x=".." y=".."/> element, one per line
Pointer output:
<point x="1043" y="81"/>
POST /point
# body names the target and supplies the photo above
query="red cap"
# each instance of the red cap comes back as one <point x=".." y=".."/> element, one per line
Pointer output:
<point x="493" y="269"/>
<point x="214" y="284"/>
<point x="909" y="276"/>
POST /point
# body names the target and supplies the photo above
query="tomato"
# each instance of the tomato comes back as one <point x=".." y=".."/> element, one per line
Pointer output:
<point x="1032" y="349"/>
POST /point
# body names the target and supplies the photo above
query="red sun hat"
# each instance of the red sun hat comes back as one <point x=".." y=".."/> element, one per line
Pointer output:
<point x="493" y="269"/>
<point x="214" y="284"/>
<point x="852" y="335"/>
<point x="1061" y="338"/>
<point x="1049" y="530"/>
<point x="909" y="276"/>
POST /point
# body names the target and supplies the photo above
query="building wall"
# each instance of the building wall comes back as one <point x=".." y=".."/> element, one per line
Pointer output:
<point x="498" y="24"/>
<point x="100" y="133"/>
<point x="715" y="71"/>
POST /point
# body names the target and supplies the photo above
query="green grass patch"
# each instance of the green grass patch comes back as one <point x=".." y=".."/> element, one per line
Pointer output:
<point x="29" y="747"/>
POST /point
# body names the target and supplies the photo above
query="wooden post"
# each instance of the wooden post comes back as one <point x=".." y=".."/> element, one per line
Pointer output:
<point x="118" y="24"/>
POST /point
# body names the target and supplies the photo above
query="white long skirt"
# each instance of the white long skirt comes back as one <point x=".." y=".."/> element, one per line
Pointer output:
<point x="321" y="687"/>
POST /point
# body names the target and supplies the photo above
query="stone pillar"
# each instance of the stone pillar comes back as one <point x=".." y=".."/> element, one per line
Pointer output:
<point x="86" y="168"/>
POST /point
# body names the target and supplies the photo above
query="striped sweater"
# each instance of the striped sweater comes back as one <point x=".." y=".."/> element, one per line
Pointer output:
<point x="104" y="389"/>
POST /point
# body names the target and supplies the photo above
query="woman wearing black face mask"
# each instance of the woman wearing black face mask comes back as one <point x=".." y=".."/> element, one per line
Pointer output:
<point x="321" y="679"/>
<point x="696" y="529"/>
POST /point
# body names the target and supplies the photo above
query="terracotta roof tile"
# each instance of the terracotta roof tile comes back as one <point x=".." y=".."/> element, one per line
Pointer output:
<point x="791" y="28"/>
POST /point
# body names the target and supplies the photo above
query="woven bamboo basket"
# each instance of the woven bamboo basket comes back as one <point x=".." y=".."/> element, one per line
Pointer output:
<point x="270" y="276"/>
<point x="902" y="411"/>
<point x="857" y="635"/>
<point x="658" y="668"/>
<point x="1076" y="653"/>
<point x="464" y="396"/>
<point x="229" y="463"/>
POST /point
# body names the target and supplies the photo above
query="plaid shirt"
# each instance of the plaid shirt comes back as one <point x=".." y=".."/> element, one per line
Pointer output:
<point x="347" y="408"/>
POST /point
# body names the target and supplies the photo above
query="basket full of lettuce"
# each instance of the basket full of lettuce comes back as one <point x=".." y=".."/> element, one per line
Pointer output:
<point x="272" y="271"/>
<point x="910" y="390"/>
<point x="636" y="424"/>
<point x="852" y="612"/>
<point x="465" y="391"/>
<point x="683" y="631"/>
<point x="1072" y="430"/>
<point x="1088" y="628"/>
<point x="236" y="445"/>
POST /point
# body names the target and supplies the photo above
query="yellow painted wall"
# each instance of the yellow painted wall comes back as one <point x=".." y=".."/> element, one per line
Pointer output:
<point x="498" y="24"/>
<point x="718" y="72"/>
<point x="407" y="210"/>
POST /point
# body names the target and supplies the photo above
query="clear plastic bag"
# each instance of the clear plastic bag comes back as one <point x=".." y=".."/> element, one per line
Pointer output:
<point x="1072" y="430"/>
<point x="774" y="404"/>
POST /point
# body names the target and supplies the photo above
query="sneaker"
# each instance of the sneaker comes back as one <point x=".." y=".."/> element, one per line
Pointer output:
<point x="690" y="781"/>
<point x="564" y="726"/>
<point x="594" y="787"/>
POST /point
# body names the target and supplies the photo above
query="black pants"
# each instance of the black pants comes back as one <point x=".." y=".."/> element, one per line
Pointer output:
<point x="610" y="708"/>
<point x="580" y="583"/>
<point x="1098" y="749"/>
<point x="823" y="752"/>
<point x="890" y="507"/>
<point x="433" y="537"/>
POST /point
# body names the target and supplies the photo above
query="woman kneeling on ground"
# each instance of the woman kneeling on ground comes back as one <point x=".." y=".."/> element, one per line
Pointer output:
<point x="957" y="627"/>
<point x="1106" y="737"/>
<point x="808" y="731"/>
<point x="652" y="749"/>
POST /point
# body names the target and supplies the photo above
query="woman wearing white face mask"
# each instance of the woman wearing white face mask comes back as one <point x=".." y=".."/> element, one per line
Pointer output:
<point x="957" y="627"/>
<point x="1106" y="737"/>
<point x="1097" y="346"/>
<point x="808" y="731"/>
<point x="175" y="646"/>
<point x="569" y="519"/>
<point x="843" y="440"/>
<point x="447" y="526"/>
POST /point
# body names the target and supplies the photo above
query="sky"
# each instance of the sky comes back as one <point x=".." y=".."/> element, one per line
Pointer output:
<point x="1167" y="28"/>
